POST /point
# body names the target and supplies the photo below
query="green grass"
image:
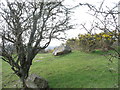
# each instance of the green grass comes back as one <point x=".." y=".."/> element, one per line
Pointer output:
<point x="74" y="70"/>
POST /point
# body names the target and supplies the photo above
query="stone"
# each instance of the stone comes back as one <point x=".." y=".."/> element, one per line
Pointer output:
<point x="62" y="49"/>
<point x="34" y="81"/>
<point x="115" y="44"/>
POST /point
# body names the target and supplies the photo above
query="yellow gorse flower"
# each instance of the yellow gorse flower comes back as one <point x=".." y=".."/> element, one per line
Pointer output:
<point x="105" y="35"/>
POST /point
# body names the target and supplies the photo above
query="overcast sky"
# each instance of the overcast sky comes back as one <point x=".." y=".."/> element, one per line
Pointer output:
<point x="80" y="15"/>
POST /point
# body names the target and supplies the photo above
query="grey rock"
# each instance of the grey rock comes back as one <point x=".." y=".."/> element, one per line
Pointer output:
<point x="60" y="50"/>
<point x="115" y="44"/>
<point x="34" y="81"/>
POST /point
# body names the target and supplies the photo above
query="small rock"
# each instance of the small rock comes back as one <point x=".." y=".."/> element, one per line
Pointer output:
<point x="38" y="60"/>
<point x="34" y="81"/>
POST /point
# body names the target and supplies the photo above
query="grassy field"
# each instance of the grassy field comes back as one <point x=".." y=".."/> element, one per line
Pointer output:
<point x="74" y="70"/>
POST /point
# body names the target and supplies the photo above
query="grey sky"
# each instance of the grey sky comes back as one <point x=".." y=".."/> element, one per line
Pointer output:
<point x="80" y="16"/>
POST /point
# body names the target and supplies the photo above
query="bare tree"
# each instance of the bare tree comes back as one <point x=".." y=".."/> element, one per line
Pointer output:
<point x="106" y="19"/>
<point x="30" y="27"/>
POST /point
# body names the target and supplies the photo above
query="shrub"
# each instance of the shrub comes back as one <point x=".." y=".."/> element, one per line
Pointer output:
<point x="90" y="42"/>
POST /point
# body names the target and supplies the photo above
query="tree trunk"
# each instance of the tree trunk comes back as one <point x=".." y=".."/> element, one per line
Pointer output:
<point x="24" y="73"/>
<point x="23" y="83"/>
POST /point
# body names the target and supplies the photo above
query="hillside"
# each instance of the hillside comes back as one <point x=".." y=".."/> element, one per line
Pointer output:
<point x="74" y="70"/>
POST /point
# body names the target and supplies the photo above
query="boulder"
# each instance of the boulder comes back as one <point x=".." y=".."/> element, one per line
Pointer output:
<point x="34" y="81"/>
<point x="60" y="50"/>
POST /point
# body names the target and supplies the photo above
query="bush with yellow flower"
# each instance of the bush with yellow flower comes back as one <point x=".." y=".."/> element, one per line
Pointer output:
<point x="90" y="42"/>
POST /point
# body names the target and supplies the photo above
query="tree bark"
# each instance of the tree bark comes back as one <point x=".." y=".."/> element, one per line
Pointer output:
<point x="23" y="79"/>
<point x="23" y="83"/>
<point x="24" y="74"/>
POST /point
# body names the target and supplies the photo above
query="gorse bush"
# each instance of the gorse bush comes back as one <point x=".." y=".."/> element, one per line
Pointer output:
<point x="86" y="42"/>
<point x="73" y="43"/>
<point x="90" y="42"/>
